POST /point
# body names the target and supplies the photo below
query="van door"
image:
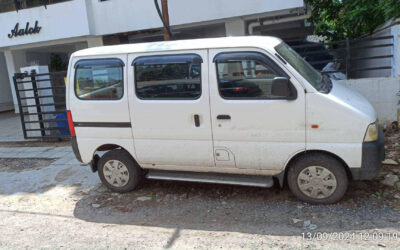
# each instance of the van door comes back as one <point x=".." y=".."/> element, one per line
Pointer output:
<point x="170" y="109"/>
<point x="98" y="100"/>
<point x="260" y="130"/>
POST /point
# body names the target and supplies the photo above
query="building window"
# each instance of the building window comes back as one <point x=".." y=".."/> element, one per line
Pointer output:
<point x="246" y="75"/>
<point x="99" y="79"/>
<point x="15" y="5"/>
<point x="168" y="77"/>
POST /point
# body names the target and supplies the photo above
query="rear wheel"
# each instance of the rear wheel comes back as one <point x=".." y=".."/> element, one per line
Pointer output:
<point x="318" y="179"/>
<point x="118" y="171"/>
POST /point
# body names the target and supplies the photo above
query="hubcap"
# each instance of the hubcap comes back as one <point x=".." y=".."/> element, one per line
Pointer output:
<point x="317" y="182"/>
<point x="116" y="173"/>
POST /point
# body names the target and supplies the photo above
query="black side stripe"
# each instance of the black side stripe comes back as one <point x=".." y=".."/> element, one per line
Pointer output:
<point x="103" y="124"/>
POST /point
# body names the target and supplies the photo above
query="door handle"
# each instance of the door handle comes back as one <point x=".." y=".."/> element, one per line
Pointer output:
<point x="197" y="120"/>
<point x="223" y="117"/>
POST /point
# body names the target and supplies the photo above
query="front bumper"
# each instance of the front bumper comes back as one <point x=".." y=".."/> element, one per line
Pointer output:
<point x="373" y="153"/>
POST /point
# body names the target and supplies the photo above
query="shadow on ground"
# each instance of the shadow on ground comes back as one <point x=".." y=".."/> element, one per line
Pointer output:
<point x="210" y="207"/>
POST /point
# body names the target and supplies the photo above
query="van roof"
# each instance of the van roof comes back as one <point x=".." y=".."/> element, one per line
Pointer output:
<point x="205" y="43"/>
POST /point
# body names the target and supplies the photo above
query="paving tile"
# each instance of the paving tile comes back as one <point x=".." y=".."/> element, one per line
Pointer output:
<point x="61" y="149"/>
<point x="73" y="161"/>
<point x="45" y="149"/>
<point x="19" y="150"/>
<point x="8" y="155"/>
<point x="68" y="149"/>
<point x="34" y="149"/>
<point x="29" y="155"/>
<point x="62" y="161"/>
<point x="25" y="155"/>
<point x="60" y="154"/>
<point x="49" y="155"/>
<point x="12" y="139"/>
<point x="39" y="152"/>
<point x="2" y="150"/>
<point x="10" y="150"/>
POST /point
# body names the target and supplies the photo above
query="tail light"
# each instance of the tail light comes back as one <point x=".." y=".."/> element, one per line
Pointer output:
<point x="70" y="123"/>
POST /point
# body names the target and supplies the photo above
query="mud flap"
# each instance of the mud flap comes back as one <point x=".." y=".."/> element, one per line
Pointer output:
<point x="281" y="178"/>
<point x="93" y="163"/>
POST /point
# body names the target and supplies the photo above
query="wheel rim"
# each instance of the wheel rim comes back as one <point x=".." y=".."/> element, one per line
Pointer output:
<point x="116" y="173"/>
<point x="317" y="182"/>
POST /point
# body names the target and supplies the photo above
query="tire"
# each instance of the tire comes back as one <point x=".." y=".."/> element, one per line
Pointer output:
<point x="127" y="173"/>
<point x="312" y="179"/>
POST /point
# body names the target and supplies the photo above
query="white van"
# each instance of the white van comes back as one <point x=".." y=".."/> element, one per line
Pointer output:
<point x="236" y="110"/>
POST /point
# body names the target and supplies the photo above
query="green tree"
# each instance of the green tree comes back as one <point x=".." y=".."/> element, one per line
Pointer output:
<point x="338" y="19"/>
<point x="56" y="63"/>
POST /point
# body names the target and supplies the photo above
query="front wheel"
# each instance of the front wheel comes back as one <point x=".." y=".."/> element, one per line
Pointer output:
<point x="118" y="171"/>
<point x="318" y="179"/>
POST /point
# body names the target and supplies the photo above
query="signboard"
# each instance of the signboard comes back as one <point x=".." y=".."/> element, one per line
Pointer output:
<point x="25" y="31"/>
<point x="63" y="20"/>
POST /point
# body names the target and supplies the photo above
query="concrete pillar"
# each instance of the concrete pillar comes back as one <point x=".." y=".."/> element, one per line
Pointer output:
<point x="95" y="41"/>
<point x="235" y="27"/>
<point x="6" y="100"/>
<point x="395" y="31"/>
<point x="11" y="71"/>
<point x="14" y="60"/>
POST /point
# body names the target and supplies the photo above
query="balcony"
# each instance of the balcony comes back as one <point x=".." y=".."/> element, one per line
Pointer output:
<point x="15" y="5"/>
<point x="64" y="20"/>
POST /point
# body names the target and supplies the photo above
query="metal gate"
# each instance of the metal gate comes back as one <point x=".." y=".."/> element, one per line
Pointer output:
<point x="41" y="102"/>
<point x="352" y="56"/>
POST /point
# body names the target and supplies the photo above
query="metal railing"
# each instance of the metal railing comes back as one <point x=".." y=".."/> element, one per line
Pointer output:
<point x="15" y="5"/>
<point x="352" y="55"/>
<point x="41" y="102"/>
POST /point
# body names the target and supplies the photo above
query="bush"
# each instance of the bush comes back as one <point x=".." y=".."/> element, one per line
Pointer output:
<point x="337" y="19"/>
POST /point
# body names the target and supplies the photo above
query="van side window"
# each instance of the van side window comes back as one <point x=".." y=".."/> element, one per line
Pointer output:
<point x="99" y="79"/>
<point x="246" y="75"/>
<point x="171" y="77"/>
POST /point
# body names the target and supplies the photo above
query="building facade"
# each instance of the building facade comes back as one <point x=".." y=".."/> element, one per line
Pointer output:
<point x="32" y="33"/>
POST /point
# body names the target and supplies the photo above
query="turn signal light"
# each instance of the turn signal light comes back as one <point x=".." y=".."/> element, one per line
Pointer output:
<point x="372" y="133"/>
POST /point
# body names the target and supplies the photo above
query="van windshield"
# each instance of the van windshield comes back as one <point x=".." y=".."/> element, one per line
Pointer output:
<point x="303" y="67"/>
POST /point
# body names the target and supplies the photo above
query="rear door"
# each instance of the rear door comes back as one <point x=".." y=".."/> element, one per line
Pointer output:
<point x="98" y="101"/>
<point x="97" y="87"/>
<point x="250" y="125"/>
<point x="169" y="107"/>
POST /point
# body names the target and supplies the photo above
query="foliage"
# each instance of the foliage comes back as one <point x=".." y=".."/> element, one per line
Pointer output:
<point x="57" y="63"/>
<point x="338" y="19"/>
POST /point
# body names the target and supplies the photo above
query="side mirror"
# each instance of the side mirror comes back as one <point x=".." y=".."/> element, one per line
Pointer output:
<point x="282" y="87"/>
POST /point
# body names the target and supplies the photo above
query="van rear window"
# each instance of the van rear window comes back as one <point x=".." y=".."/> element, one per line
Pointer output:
<point x="168" y="77"/>
<point x="99" y="79"/>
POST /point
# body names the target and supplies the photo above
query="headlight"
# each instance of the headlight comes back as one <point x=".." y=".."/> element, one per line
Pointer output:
<point x="372" y="133"/>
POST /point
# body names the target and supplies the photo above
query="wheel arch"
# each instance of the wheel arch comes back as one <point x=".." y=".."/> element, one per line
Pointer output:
<point x="105" y="148"/>
<point x="283" y="175"/>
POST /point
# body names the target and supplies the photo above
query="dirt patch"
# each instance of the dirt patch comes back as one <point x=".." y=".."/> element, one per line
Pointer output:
<point x="359" y="192"/>
<point x="163" y="214"/>
<point x="392" y="144"/>
<point x="55" y="143"/>
<point x="18" y="165"/>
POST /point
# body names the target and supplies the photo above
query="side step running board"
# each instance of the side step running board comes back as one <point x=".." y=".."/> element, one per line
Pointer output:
<point x="233" y="179"/>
